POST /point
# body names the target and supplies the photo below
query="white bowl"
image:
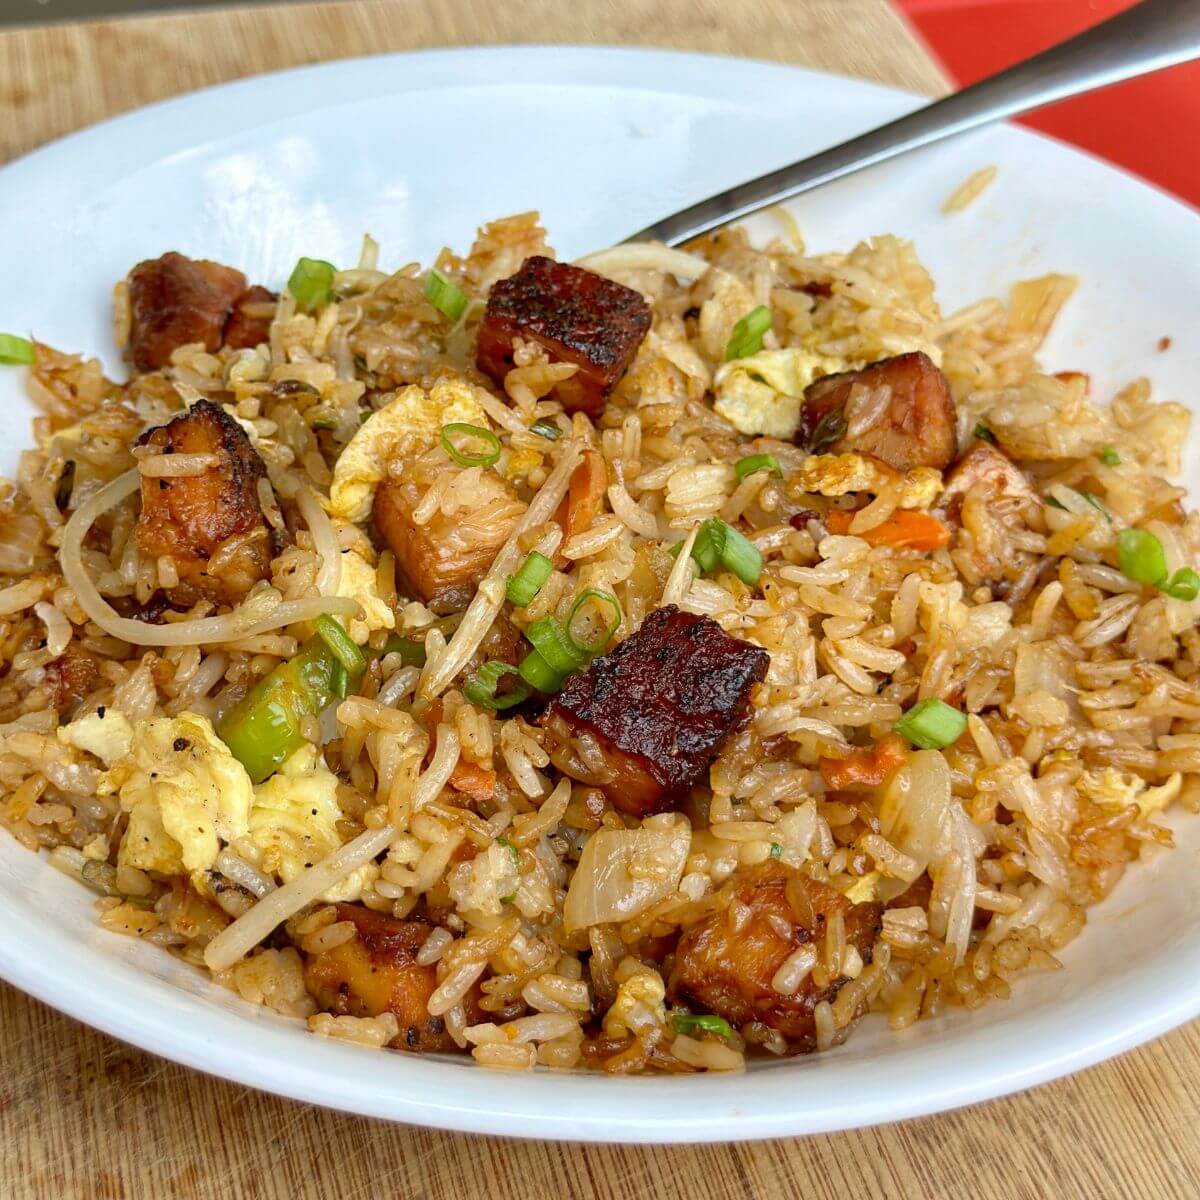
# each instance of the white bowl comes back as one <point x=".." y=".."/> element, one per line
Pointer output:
<point x="419" y="149"/>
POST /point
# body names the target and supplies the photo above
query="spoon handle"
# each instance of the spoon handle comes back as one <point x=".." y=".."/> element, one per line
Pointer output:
<point x="1148" y="37"/>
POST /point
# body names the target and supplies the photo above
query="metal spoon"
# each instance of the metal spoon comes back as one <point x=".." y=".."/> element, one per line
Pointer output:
<point x="1152" y="35"/>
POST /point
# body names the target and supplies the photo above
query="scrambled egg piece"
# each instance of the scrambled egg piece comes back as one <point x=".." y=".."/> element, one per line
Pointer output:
<point x="763" y="393"/>
<point x="185" y="794"/>
<point x="839" y="474"/>
<point x="639" y="1002"/>
<point x="411" y="421"/>
<point x="105" y="733"/>
<point x="358" y="582"/>
<point x="293" y="821"/>
<point x="863" y="889"/>
<point x="1113" y="789"/>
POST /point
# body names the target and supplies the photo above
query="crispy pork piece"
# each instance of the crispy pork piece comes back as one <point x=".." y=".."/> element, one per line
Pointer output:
<point x="211" y="525"/>
<point x="247" y="327"/>
<point x="915" y="429"/>
<point x="730" y="971"/>
<point x="644" y="722"/>
<point x="176" y="300"/>
<point x="377" y="972"/>
<point x="443" y="559"/>
<point x="576" y="316"/>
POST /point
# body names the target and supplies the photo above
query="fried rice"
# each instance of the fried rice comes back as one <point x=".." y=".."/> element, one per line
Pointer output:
<point x="487" y="868"/>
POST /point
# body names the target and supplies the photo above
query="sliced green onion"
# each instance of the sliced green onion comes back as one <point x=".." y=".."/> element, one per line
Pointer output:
<point x="1096" y="504"/>
<point x="702" y="1023"/>
<point x="539" y="674"/>
<point x="556" y="648"/>
<point x="931" y="725"/>
<point x="1184" y="585"/>
<point x="324" y="423"/>
<point x="341" y="681"/>
<point x="718" y="544"/>
<point x="412" y="652"/>
<point x="17" y="351"/>
<point x="528" y="581"/>
<point x="985" y="434"/>
<point x="830" y="428"/>
<point x="266" y="725"/>
<point x="1053" y="503"/>
<point x="311" y="283"/>
<point x="776" y="850"/>
<point x="481" y="690"/>
<point x="1109" y="456"/>
<point x="594" y="647"/>
<point x="341" y="645"/>
<point x="1141" y="557"/>
<point x="462" y="429"/>
<point x="741" y="556"/>
<point x="516" y="854"/>
<point x="448" y="298"/>
<point x="754" y="463"/>
<point x="706" y="549"/>
<point x="747" y="336"/>
<point x="546" y="429"/>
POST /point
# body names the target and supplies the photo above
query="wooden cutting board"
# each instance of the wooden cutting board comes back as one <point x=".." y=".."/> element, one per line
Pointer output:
<point x="84" y="1116"/>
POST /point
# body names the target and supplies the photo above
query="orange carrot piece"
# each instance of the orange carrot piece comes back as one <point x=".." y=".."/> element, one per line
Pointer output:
<point x="581" y="505"/>
<point x="473" y="780"/>
<point x="903" y="530"/>
<point x="467" y="777"/>
<point x="865" y="767"/>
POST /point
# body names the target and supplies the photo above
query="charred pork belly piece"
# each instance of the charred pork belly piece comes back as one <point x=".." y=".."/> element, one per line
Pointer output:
<point x="444" y="558"/>
<point x="211" y="525"/>
<point x="644" y="722"/>
<point x="175" y="300"/>
<point x="576" y="316"/>
<point x="732" y="972"/>
<point x="916" y="427"/>
<point x="377" y="972"/>
<point x="249" y="323"/>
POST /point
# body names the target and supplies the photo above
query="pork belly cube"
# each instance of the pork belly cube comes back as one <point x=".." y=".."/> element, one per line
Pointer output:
<point x="576" y="316"/>
<point x="211" y="526"/>
<point x="731" y="973"/>
<point x="249" y="323"/>
<point x="915" y="428"/>
<point x="377" y="972"/>
<point x="174" y="301"/>
<point x="443" y="559"/>
<point x="644" y="722"/>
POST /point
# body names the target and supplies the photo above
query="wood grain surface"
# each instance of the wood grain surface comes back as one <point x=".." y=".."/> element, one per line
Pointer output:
<point x="83" y="1116"/>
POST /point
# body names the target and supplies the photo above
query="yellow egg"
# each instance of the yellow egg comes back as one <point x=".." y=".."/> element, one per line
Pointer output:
<point x="293" y="821"/>
<point x="184" y="791"/>
<point x="411" y="422"/>
<point x="105" y="733"/>
<point x="842" y="474"/>
<point x="358" y="582"/>
<point x="763" y="394"/>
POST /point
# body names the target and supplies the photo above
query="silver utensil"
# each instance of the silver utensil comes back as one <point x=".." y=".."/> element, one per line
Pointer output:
<point x="1152" y="35"/>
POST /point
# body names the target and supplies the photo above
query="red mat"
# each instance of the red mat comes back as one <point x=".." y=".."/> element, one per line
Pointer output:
<point x="1150" y="126"/>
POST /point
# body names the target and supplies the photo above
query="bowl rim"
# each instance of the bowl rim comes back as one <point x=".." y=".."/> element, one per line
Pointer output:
<point x="255" y="1048"/>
